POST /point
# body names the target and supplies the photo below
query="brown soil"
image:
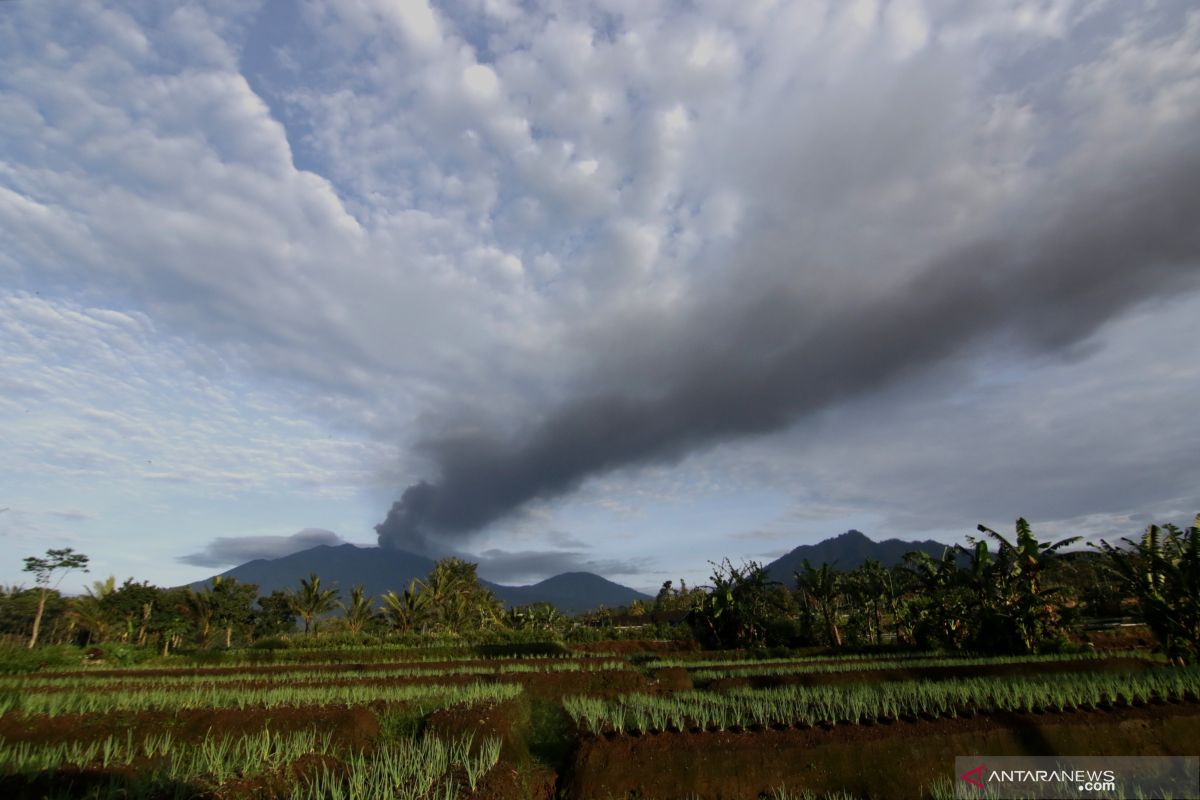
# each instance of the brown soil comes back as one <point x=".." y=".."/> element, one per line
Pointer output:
<point x="673" y="679"/>
<point x="1133" y="637"/>
<point x="931" y="673"/>
<point x="903" y="756"/>
<point x="504" y="782"/>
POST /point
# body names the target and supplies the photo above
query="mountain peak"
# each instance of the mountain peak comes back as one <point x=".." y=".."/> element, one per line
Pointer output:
<point x="848" y="551"/>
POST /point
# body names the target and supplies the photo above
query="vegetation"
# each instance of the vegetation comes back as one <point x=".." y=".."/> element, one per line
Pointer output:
<point x="63" y="562"/>
<point x="830" y="705"/>
<point x="1162" y="573"/>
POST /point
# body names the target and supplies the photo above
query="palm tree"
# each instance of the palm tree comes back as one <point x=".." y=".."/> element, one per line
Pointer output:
<point x="312" y="601"/>
<point x="360" y="610"/>
<point x="408" y="612"/>
<point x="88" y="614"/>
<point x="88" y="611"/>
<point x="198" y="607"/>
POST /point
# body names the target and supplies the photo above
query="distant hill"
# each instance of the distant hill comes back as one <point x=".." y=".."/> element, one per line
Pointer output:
<point x="573" y="592"/>
<point x="381" y="570"/>
<point x="848" y="551"/>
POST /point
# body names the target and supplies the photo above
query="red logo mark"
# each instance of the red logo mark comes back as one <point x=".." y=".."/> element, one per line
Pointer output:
<point x="977" y="780"/>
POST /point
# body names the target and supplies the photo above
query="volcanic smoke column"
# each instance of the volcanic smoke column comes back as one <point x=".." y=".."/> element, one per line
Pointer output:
<point x="1100" y="246"/>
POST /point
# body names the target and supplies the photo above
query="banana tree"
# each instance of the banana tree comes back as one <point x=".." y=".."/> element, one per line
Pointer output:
<point x="1032" y="608"/>
<point x="1162" y="571"/>
<point x="823" y="588"/>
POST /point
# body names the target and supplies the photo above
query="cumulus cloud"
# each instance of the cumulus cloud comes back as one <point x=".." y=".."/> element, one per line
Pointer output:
<point x="231" y="550"/>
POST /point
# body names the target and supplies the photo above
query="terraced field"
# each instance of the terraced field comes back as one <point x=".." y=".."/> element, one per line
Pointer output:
<point x="464" y="724"/>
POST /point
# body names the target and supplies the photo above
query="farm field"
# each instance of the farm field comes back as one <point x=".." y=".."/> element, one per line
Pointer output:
<point x="631" y="721"/>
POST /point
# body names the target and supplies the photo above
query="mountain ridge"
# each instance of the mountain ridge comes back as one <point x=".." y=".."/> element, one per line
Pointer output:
<point x="381" y="570"/>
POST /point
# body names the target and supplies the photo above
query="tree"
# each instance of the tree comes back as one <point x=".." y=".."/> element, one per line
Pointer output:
<point x="1030" y="608"/>
<point x="168" y="617"/>
<point x="456" y="601"/>
<point x="408" y="612"/>
<point x="198" y="607"/>
<point x="742" y="608"/>
<point x="232" y="604"/>
<point x="823" y="588"/>
<point x="1162" y="572"/>
<point x="65" y="561"/>
<point x="312" y="601"/>
<point x="360" y="611"/>
<point x="133" y="603"/>
<point x="938" y="610"/>
<point x="274" y="614"/>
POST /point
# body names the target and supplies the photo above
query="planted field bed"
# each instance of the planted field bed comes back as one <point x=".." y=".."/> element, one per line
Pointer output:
<point x="304" y="731"/>
<point x="448" y="726"/>
<point x="747" y="743"/>
<point x="807" y="673"/>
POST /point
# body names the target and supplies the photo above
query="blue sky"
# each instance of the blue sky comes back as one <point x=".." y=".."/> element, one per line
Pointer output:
<point x="256" y="256"/>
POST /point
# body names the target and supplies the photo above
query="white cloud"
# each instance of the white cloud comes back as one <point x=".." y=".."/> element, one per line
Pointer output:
<point x="225" y="551"/>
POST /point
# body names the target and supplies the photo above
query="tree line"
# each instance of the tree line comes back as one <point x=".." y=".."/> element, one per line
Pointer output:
<point x="997" y="594"/>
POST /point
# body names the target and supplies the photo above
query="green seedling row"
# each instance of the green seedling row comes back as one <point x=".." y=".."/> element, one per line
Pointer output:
<point x="134" y="682"/>
<point x="803" y="668"/>
<point x="179" y="699"/>
<point x="418" y="769"/>
<point x="892" y="661"/>
<point x="214" y="757"/>
<point x="288" y="660"/>
<point x="829" y="705"/>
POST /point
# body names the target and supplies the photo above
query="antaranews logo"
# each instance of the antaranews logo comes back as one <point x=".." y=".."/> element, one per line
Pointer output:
<point x="1002" y="777"/>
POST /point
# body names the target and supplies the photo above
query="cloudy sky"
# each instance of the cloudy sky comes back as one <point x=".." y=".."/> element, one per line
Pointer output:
<point x="620" y="286"/>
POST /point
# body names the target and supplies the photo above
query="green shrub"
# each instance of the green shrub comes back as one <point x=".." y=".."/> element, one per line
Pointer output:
<point x="15" y="659"/>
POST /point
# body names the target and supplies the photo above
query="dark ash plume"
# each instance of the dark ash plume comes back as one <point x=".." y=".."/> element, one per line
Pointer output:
<point x="1124" y="238"/>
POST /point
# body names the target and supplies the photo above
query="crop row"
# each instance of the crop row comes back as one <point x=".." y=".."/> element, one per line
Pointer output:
<point x="287" y="660"/>
<point x="418" y="769"/>
<point x="424" y="769"/>
<point x="798" y="668"/>
<point x="300" y="676"/>
<point x="813" y="705"/>
<point x="177" y="699"/>
<point x="890" y="661"/>
<point x="214" y="757"/>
